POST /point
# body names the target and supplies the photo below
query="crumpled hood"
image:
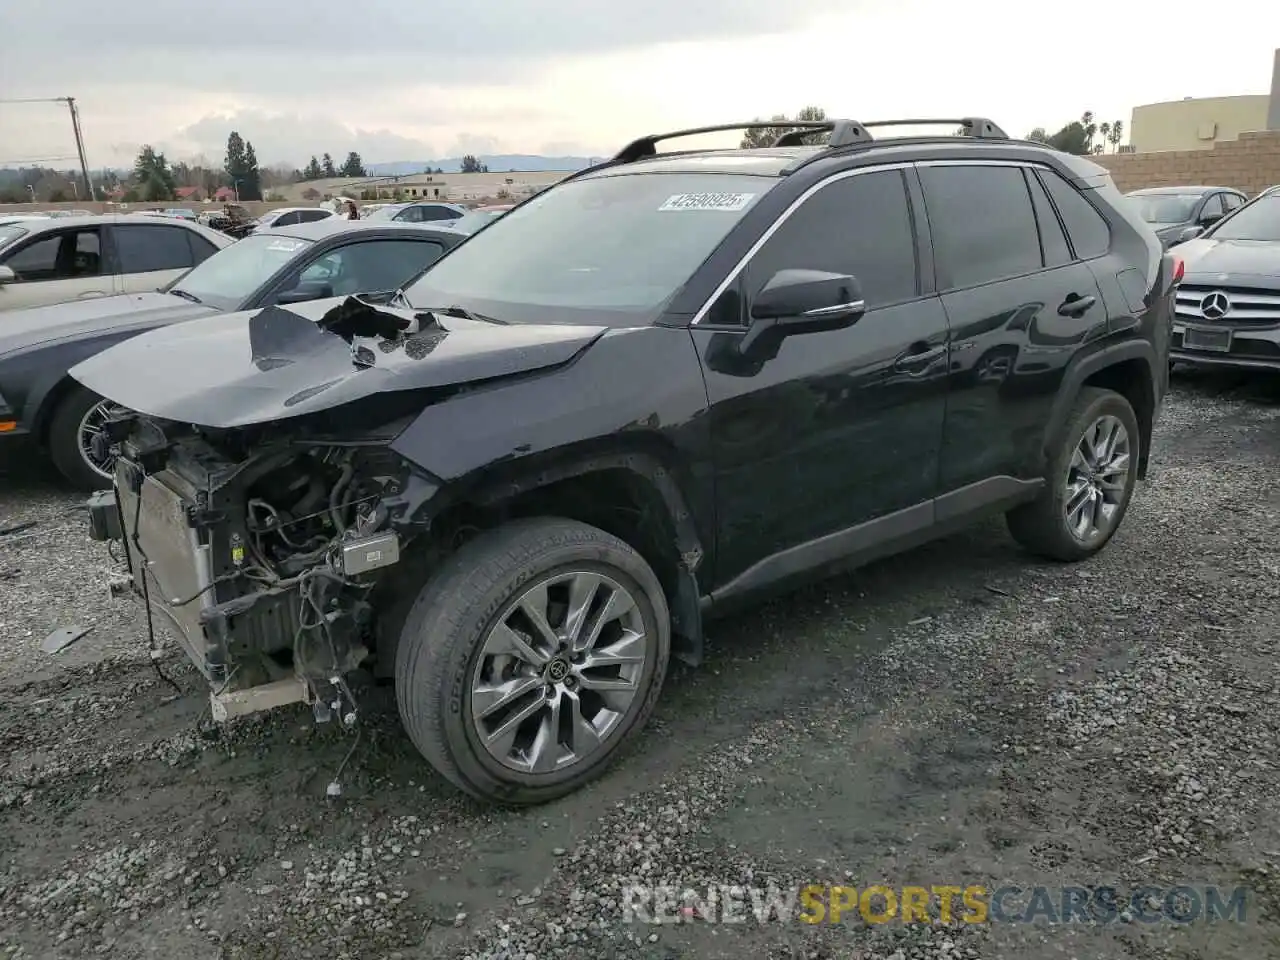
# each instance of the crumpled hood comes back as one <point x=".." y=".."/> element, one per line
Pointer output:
<point x="1207" y="260"/>
<point x="238" y="369"/>
<point x="80" y="318"/>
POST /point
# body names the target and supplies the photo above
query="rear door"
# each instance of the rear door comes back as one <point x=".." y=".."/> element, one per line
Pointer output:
<point x="149" y="255"/>
<point x="56" y="266"/>
<point x="1019" y="305"/>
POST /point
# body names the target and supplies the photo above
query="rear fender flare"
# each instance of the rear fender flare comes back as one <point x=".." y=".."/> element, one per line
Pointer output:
<point x="1089" y="365"/>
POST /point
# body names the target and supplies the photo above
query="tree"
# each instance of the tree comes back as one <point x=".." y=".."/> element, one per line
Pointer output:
<point x="1090" y="130"/>
<point x="57" y="196"/>
<point x="353" y="167"/>
<point x="471" y="165"/>
<point x="251" y="189"/>
<point x="241" y="168"/>
<point x="1073" y="138"/>
<point x="764" y="136"/>
<point x="1116" y="135"/>
<point x="312" y="171"/>
<point x="326" y="166"/>
<point x="1038" y="135"/>
<point x="311" y="193"/>
<point x="152" y="177"/>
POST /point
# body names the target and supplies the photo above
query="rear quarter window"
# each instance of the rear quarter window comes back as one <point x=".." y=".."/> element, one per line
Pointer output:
<point x="1088" y="231"/>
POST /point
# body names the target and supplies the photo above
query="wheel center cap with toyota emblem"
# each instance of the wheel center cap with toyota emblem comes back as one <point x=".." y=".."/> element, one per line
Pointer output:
<point x="1215" y="306"/>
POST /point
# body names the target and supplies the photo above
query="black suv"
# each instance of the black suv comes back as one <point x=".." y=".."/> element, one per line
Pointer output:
<point x="665" y="385"/>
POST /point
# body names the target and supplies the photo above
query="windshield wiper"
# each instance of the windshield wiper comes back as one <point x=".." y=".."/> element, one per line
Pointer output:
<point x="185" y="296"/>
<point x="463" y="313"/>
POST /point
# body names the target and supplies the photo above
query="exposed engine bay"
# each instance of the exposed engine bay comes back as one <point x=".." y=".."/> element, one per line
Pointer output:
<point x="262" y="553"/>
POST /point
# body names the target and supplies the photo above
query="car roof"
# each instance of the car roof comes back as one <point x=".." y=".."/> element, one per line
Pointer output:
<point x="294" y="209"/>
<point x="320" y="229"/>
<point x="782" y="161"/>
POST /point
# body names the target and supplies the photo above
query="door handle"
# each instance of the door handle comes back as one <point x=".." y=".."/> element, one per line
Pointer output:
<point x="919" y="357"/>
<point x="1076" y="305"/>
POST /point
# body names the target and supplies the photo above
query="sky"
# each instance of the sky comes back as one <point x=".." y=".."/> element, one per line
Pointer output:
<point x="412" y="81"/>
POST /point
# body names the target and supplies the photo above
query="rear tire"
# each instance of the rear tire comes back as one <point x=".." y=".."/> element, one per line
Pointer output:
<point x="1085" y="497"/>
<point x="66" y="425"/>
<point x="456" y="659"/>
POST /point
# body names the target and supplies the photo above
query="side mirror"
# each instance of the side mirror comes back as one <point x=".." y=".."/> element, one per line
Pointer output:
<point x="801" y="301"/>
<point x="7" y="275"/>
<point x="1189" y="234"/>
<point x="303" y="292"/>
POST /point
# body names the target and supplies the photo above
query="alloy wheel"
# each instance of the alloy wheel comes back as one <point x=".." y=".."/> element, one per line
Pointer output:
<point x="1097" y="478"/>
<point x="91" y="425"/>
<point x="559" y="672"/>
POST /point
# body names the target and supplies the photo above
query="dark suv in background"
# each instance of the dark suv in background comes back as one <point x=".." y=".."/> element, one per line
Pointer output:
<point x="668" y="384"/>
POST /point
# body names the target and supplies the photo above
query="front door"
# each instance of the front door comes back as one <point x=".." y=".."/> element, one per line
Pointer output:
<point x="54" y="267"/>
<point x="841" y="427"/>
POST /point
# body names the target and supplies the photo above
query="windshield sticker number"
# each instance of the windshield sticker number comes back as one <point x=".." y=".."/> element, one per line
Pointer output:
<point x="284" y="246"/>
<point x="708" y="201"/>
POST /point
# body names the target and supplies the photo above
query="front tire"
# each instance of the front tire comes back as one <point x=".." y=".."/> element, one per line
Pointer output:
<point x="1090" y="482"/>
<point x="531" y="658"/>
<point x="74" y="421"/>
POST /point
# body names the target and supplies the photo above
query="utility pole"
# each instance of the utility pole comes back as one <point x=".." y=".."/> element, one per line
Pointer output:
<point x="75" y="127"/>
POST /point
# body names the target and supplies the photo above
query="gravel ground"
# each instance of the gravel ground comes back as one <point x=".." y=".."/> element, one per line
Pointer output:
<point x="959" y="715"/>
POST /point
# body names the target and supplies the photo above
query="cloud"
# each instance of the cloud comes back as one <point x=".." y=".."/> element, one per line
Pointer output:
<point x="289" y="50"/>
<point x="291" y="139"/>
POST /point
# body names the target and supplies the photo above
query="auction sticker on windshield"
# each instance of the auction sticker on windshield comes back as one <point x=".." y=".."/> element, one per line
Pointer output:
<point x="708" y="201"/>
<point x="285" y="246"/>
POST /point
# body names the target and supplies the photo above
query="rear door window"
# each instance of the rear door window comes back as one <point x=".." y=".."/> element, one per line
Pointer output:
<point x="983" y="223"/>
<point x="1089" y="234"/>
<point x="1053" y="242"/>
<point x="437" y="213"/>
<point x="307" y="216"/>
<point x="147" y="249"/>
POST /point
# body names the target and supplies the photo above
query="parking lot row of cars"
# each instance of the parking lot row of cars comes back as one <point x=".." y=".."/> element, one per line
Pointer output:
<point x="518" y="472"/>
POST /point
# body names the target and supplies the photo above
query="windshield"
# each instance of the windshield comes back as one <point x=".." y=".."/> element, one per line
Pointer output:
<point x="9" y="234"/>
<point x="1259" y="220"/>
<point x="228" y="277"/>
<point x="1164" y="207"/>
<point x="616" y="248"/>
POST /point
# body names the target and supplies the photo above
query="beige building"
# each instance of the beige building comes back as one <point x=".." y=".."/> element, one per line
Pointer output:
<point x="1196" y="124"/>
<point x="425" y="186"/>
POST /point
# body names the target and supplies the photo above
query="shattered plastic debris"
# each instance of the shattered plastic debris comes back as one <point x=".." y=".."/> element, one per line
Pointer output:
<point x="62" y="638"/>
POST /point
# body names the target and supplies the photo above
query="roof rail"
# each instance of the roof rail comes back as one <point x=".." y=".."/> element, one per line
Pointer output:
<point x="979" y="127"/>
<point x="647" y="146"/>
<point x="844" y="133"/>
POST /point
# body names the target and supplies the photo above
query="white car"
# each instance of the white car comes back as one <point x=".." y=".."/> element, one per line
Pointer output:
<point x="59" y="259"/>
<point x="284" y="216"/>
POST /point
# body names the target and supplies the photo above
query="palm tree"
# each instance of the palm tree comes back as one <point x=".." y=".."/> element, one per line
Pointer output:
<point x="1105" y="130"/>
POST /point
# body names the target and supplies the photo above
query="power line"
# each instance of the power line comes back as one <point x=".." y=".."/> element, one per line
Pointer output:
<point x="14" y="163"/>
<point x="38" y="100"/>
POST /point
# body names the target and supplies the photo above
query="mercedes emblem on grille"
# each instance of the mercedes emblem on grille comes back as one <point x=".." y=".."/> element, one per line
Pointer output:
<point x="1215" y="306"/>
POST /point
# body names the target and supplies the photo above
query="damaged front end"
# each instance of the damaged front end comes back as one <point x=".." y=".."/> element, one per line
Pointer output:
<point x="262" y="553"/>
